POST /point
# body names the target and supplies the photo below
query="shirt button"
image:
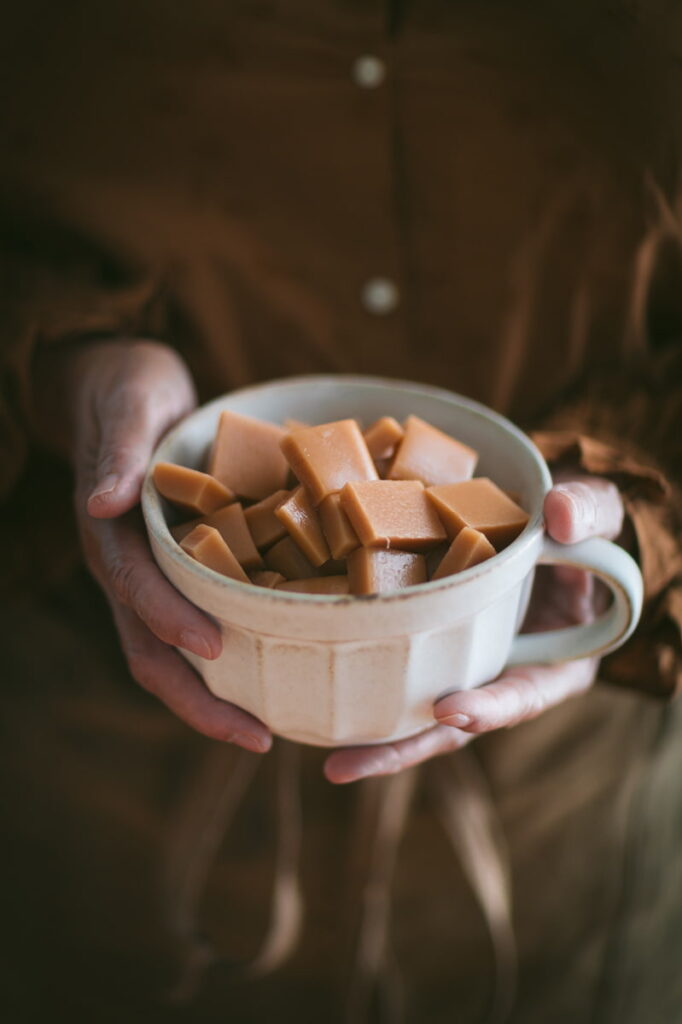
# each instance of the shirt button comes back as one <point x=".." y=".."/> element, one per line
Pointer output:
<point x="368" y="72"/>
<point x="380" y="296"/>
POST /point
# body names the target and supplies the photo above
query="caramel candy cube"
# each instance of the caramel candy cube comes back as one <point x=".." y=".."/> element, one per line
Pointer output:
<point x="230" y="522"/>
<point x="372" y="571"/>
<point x="189" y="488"/>
<point x="266" y="578"/>
<point x="341" y="536"/>
<point x="246" y="456"/>
<point x="182" y="529"/>
<point x="392" y="514"/>
<point x="206" y="545"/>
<point x="286" y="557"/>
<point x="317" y="585"/>
<point x="327" y="457"/>
<point x="468" y="548"/>
<point x="429" y="455"/>
<point x="481" y="505"/>
<point x="383" y="437"/>
<point x="303" y="525"/>
<point x="264" y="525"/>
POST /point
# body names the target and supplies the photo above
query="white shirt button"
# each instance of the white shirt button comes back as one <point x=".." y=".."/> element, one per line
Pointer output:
<point x="380" y="296"/>
<point x="368" y="71"/>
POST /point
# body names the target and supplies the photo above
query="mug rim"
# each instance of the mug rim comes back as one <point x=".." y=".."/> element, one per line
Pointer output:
<point x="158" y="527"/>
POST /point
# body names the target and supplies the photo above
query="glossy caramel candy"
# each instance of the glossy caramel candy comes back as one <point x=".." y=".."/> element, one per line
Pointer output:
<point x="483" y="506"/>
<point x="327" y="457"/>
<point x="246" y="456"/>
<point x="264" y="525"/>
<point x="429" y="455"/>
<point x="392" y="514"/>
<point x="302" y="523"/>
<point x="373" y="571"/>
<point x="230" y="522"/>
<point x="189" y="488"/>
<point x="468" y="548"/>
<point x="205" y="544"/>
<point x="340" y="535"/>
<point x="383" y="437"/>
<point x="286" y="557"/>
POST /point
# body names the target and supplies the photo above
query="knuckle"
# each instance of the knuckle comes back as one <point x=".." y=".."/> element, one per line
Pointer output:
<point x="143" y="670"/>
<point x="122" y="579"/>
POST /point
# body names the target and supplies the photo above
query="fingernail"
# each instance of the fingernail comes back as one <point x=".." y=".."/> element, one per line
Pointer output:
<point x="458" y="719"/>
<point x="256" y="744"/>
<point x="105" y="486"/>
<point x="196" y="643"/>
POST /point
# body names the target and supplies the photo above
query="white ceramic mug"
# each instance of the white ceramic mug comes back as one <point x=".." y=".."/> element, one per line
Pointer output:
<point x="332" y="671"/>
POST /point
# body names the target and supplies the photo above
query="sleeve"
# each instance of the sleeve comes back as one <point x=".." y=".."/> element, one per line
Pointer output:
<point x="626" y="427"/>
<point x="58" y="286"/>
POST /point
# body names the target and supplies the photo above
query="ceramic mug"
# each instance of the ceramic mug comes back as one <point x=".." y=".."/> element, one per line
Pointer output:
<point x="339" y="670"/>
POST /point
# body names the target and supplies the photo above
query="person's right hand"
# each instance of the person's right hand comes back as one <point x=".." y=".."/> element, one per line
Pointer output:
<point x="124" y="396"/>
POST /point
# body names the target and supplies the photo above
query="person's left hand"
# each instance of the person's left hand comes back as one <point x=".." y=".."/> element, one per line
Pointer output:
<point x="562" y="596"/>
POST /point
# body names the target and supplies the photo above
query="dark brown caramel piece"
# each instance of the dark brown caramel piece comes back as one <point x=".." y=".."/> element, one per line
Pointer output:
<point x="206" y="545"/>
<point x="189" y="488"/>
<point x="481" y="505"/>
<point x="372" y="571"/>
<point x="468" y="548"/>
<point x="392" y="514"/>
<point x="325" y="458"/>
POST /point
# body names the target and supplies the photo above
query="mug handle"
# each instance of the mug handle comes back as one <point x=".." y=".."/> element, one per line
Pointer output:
<point x="621" y="574"/>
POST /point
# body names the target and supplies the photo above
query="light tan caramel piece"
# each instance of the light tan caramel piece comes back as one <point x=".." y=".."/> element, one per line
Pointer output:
<point x="341" y="536"/>
<point x="468" y="548"/>
<point x="325" y="458"/>
<point x="286" y="557"/>
<point x="392" y="514"/>
<point x="317" y="585"/>
<point x="371" y="571"/>
<point x="190" y="488"/>
<point x="230" y="522"/>
<point x="206" y="545"/>
<point x="266" y="578"/>
<point x="383" y="437"/>
<point x="303" y="525"/>
<point x="481" y="505"/>
<point x="264" y="525"/>
<point x="246" y="456"/>
<point x="429" y="455"/>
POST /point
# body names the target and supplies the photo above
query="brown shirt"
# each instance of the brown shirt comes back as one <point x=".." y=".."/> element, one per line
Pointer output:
<point x="493" y="207"/>
<point x="231" y="180"/>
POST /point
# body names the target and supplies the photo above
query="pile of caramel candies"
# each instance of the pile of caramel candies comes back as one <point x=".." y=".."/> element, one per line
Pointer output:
<point x="329" y="509"/>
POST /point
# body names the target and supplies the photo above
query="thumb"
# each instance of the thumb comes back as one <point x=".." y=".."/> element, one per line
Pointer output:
<point x="130" y="425"/>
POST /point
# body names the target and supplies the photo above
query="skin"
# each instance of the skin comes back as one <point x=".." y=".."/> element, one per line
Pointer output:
<point x="121" y="398"/>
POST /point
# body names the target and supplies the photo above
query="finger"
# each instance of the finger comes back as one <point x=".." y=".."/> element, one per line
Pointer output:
<point x="353" y="763"/>
<point x="132" y="417"/>
<point x="518" y="695"/>
<point x="163" y="673"/>
<point x="581" y="508"/>
<point x="128" y="572"/>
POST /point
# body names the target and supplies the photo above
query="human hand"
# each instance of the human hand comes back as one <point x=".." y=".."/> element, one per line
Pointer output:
<point x="562" y="596"/>
<point x="121" y="398"/>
